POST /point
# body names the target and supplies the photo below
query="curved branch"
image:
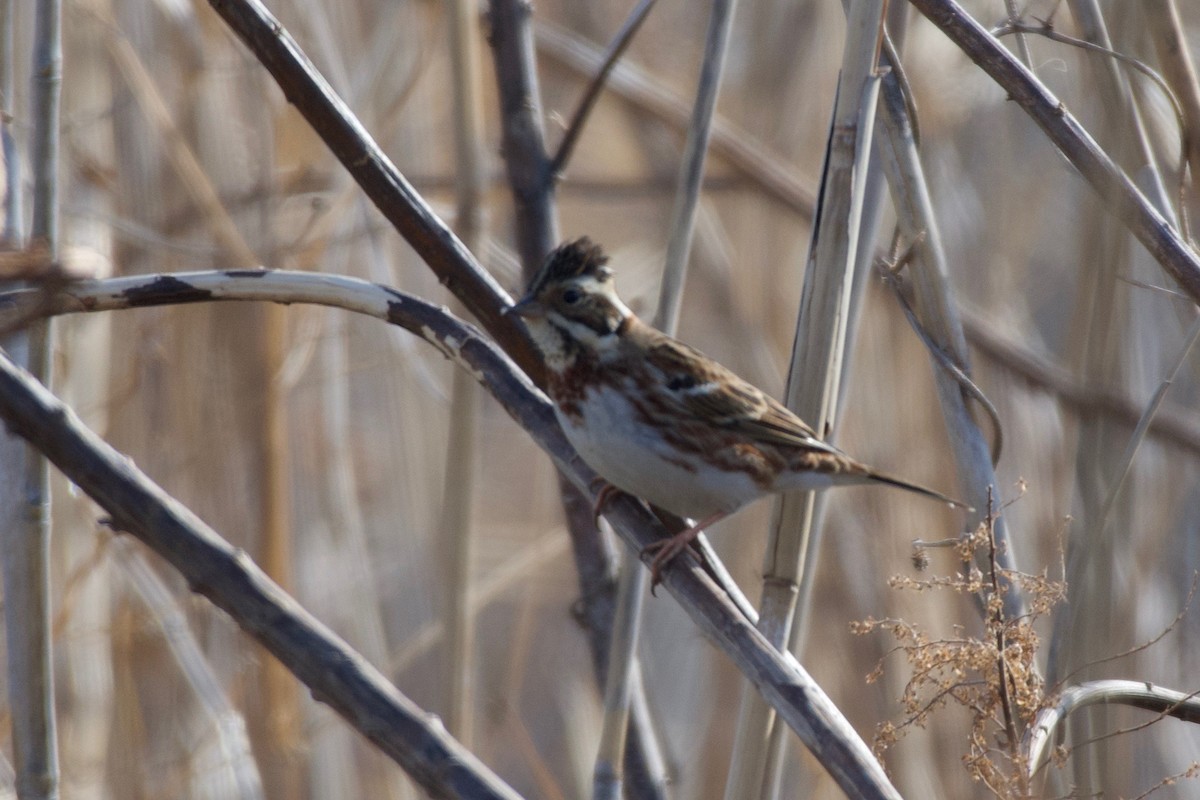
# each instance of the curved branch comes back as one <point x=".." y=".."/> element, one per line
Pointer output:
<point x="274" y="619"/>
<point x="1139" y="694"/>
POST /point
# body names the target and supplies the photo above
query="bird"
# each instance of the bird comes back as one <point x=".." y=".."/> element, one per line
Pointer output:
<point x="658" y="419"/>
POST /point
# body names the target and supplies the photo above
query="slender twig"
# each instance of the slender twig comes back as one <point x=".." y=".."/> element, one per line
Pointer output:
<point x="691" y="173"/>
<point x="999" y="624"/>
<point x="1022" y="43"/>
<point x="1017" y="27"/>
<point x="946" y="363"/>
<point x="1014" y="26"/>
<point x="1083" y="555"/>
<point x="736" y="146"/>
<point x="615" y="50"/>
<point x="1144" y="645"/>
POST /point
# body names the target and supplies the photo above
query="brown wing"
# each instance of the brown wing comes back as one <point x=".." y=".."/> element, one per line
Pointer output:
<point x="710" y="392"/>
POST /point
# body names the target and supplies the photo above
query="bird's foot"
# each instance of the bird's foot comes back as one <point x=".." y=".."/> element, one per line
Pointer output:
<point x="666" y="550"/>
<point x="605" y="496"/>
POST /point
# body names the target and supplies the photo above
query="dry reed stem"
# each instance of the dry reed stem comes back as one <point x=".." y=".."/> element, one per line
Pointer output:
<point x="455" y="528"/>
<point x="26" y="538"/>
<point x="818" y="363"/>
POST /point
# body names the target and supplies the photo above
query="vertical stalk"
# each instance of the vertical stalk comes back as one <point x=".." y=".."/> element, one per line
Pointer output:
<point x="687" y="195"/>
<point x="455" y="524"/>
<point x="814" y="378"/>
<point x="632" y="586"/>
<point x="532" y="182"/>
<point x="26" y="559"/>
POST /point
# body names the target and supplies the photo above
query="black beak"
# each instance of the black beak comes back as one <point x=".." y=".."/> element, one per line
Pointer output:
<point x="528" y="307"/>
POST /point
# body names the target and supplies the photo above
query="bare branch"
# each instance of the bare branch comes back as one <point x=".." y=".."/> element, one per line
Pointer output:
<point x="1139" y="694"/>
<point x="1116" y="191"/>
<point x="615" y="50"/>
<point x="345" y="136"/>
<point x="801" y="703"/>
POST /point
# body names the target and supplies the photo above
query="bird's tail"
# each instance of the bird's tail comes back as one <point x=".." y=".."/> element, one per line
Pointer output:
<point x="880" y="477"/>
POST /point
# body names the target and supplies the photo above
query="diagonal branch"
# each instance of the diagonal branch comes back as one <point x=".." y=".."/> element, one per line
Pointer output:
<point x="336" y="674"/>
<point x="800" y="702"/>
<point x="1116" y="191"/>
<point x="387" y="188"/>
<point x="586" y="103"/>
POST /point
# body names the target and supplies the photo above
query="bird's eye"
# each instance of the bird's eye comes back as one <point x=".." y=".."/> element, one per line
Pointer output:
<point x="572" y="296"/>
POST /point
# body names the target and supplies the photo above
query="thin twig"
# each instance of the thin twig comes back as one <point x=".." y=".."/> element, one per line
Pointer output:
<point x="615" y="50"/>
<point x="770" y="172"/>
<point x="947" y="363"/>
<point x="691" y="172"/>
<point x="1014" y="26"/>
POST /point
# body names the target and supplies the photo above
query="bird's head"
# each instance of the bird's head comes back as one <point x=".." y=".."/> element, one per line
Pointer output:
<point x="571" y="305"/>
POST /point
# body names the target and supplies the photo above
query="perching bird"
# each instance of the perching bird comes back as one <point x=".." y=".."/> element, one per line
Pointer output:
<point x="659" y="419"/>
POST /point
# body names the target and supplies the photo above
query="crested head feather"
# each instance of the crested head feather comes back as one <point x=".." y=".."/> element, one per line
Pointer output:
<point x="572" y="307"/>
<point x="579" y="258"/>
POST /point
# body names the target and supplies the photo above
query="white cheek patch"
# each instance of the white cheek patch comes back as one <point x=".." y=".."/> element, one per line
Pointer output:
<point x="584" y="334"/>
<point x="590" y="285"/>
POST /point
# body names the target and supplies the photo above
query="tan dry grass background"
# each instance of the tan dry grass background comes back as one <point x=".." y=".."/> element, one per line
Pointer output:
<point x="181" y="390"/>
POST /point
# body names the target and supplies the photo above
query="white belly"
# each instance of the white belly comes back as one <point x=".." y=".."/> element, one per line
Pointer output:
<point x="631" y="456"/>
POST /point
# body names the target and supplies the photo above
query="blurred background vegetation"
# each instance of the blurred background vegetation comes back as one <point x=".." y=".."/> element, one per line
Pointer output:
<point x="317" y="441"/>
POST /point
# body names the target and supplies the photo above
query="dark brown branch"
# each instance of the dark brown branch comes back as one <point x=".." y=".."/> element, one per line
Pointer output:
<point x="522" y="133"/>
<point x="532" y="182"/>
<point x="337" y="126"/>
<point x="336" y="674"/>
<point x="1116" y="191"/>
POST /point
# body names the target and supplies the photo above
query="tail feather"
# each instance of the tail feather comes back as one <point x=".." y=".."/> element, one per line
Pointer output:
<point x="880" y="477"/>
